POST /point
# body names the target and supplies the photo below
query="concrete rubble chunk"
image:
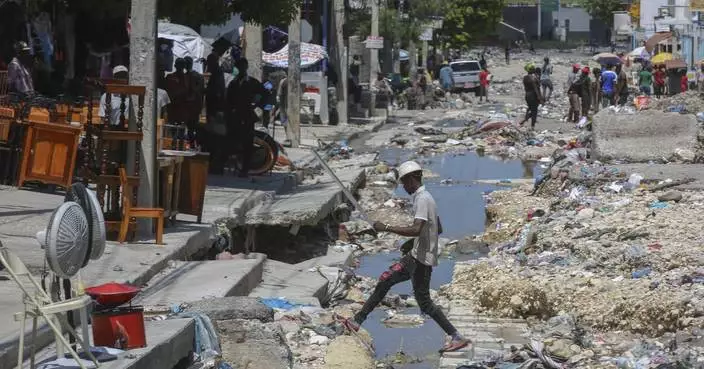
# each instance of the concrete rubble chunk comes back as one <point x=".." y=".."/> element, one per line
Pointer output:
<point x="236" y="307"/>
<point x="346" y="352"/>
<point x="254" y="345"/>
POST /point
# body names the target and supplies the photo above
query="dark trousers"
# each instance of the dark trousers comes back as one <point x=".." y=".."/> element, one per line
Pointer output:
<point x="532" y="112"/>
<point x="586" y="103"/>
<point x="245" y="143"/>
<point x="419" y="274"/>
<point x="573" y="114"/>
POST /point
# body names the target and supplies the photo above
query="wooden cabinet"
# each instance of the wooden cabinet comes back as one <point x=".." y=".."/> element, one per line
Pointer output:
<point x="49" y="153"/>
<point x="194" y="179"/>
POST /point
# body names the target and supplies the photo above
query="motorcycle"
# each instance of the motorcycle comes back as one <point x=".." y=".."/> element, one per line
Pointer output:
<point x="266" y="150"/>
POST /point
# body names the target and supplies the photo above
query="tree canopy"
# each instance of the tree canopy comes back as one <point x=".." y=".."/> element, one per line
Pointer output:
<point x="197" y="12"/>
<point x="602" y="9"/>
<point x="465" y="20"/>
<point x="397" y="25"/>
<point x="193" y="13"/>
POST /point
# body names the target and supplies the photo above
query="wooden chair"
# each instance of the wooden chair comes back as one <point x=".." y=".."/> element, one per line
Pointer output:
<point x="128" y="212"/>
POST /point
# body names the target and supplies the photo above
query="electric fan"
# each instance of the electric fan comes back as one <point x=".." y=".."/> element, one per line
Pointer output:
<point x="66" y="241"/>
<point x="96" y="223"/>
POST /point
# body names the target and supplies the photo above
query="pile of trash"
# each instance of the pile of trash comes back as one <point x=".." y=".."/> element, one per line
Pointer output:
<point x="687" y="102"/>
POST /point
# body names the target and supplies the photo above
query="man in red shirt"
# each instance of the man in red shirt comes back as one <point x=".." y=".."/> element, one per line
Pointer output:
<point x="484" y="85"/>
<point x="659" y="82"/>
<point x="684" y="83"/>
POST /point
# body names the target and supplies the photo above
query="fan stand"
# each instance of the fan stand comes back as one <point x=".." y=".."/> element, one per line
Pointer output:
<point x="39" y="305"/>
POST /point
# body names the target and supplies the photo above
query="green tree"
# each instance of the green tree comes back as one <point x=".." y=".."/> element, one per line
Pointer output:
<point x="465" y="20"/>
<point x="602" y="9"/>
<point x="194" y="13"/>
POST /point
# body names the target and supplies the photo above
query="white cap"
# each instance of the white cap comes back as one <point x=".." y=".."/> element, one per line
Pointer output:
<point x="408" y="168"/>
<point x="119" y="69"/>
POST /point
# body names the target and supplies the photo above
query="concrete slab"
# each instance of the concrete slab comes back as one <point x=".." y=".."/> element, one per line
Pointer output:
<point x="23" y="213"/>
<point x="308" y="204"/>
<point x="334" y="258"/>
<point x="648" y="135"/>
<point x="199" y="280"/>
<point x="290" y="282"/>
<point x="168" y="342"/>
<point x="232" y="197"/>
<point x="491" y="337"/>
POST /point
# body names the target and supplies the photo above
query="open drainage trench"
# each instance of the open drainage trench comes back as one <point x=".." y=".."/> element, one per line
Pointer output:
<point x="461" y="207"/>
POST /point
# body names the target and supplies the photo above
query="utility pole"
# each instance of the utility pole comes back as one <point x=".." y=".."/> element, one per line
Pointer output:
<point x="253" y="49"/>
<point x="340" y="60"/>
<point x="540" y="20"/>
<point x="143" y="36"/>
<point x="373" y="57"/>
<point x="412" y="59"/>
<point x="293" y="79"/>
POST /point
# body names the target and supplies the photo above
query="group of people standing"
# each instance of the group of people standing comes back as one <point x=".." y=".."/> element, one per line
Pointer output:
<point x="587" y="89"/>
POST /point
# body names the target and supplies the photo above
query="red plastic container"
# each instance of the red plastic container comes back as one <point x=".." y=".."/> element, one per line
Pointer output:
<point x="113" y="294"/>
<point x="121" y="328"/>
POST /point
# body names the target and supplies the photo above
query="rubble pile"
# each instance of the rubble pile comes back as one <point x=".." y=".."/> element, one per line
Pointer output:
<point x="688" y="102"/>
<point x="606" y="249"/>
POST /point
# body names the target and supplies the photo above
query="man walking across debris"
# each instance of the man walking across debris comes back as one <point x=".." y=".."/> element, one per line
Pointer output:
<point x="585" y="85"/>
<point x="645" y="81"/>
<point x="546" y="80"/>
<point x="621" y="92"/>
<point x="484" y="77"/>
<point x="608" y="86"/>
<point x="595" y="95"/>
<point x="659" y="81"/>
<point x="417" y="265"/>
<point x="573" y="90"/>
<point x="533" y="96"/>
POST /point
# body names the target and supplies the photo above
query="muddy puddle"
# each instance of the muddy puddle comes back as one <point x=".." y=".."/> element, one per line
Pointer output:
<point x="461" y="207"/>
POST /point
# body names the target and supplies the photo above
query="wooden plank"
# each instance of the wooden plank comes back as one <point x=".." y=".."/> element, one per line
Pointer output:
<point x="109" y="135"/>
<point x="119" y="89"/>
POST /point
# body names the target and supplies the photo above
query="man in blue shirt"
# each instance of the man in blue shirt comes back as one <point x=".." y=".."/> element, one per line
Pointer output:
<point x="608" y="85"/>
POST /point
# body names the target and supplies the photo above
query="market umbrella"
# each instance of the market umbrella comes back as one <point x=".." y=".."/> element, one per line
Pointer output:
<point x="661" y="58"/>
<point x="607" y="59"/>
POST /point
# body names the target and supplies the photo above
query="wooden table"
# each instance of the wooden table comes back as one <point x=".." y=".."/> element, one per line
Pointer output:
<point x="194" y="180"/>
<point x="169" y="185"/>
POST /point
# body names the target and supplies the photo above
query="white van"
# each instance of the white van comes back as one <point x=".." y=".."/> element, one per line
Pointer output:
<point x="465" y="73"/>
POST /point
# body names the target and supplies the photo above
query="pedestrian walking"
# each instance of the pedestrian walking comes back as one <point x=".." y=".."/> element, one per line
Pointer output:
<point x="416" y="265"/>
<point x="484" y="76"/>
<point x="608" y="86"/>
<point x="507" y="54"/>
<point x="684" y="83"/>
<point x="446" y="78"/>
<point x="621" y="91"/>
<point x="692" y="78"/>
<point x="585" y="91"/>
<point x="546" y="79"/>
<point x="532" y="94"/>
<point x="659" y="76"/>
<point x="573" y="90"/>
<point x="596" y="90"/>
<point x="645" y="81"/>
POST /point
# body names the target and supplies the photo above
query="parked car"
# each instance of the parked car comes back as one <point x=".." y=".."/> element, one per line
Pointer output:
<point x="465" y="73"/>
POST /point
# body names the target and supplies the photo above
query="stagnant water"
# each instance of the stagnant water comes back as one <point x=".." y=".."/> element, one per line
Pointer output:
<point x="461" y="209"/>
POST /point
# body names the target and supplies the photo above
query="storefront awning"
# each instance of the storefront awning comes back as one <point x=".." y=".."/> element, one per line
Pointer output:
<point x="656" y="39"/>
